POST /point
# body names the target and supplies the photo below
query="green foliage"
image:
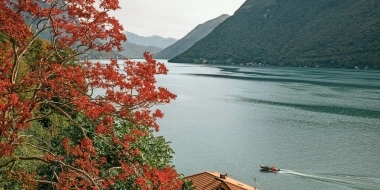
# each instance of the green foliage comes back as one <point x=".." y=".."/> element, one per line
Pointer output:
<point x="8" y="182"/>
<point x="154" y="151"/>
<point x="17" y="179"/>
<point x="3" y="38"/>
<point x="39" y="134"/>
<point x="188" y="185"/>
<point x="321" y="33"/>
<point x="146" y="149"/>
<point x="41" y="48"/>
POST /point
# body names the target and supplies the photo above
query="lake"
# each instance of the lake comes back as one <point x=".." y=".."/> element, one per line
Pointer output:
<point x="320" y="126"/>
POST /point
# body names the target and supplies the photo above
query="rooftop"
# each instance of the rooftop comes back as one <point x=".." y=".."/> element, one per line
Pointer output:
<point x="214" y="180"/>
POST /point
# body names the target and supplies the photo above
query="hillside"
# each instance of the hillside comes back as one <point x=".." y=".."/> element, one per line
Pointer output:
<point x="191" y="38"/>
<point x="134" y="51"/>
<point x="318" y="33"/>
<point x="156" y="41"/>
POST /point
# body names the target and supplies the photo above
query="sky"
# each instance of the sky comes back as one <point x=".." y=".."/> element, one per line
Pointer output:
<point x="170" y="18"/>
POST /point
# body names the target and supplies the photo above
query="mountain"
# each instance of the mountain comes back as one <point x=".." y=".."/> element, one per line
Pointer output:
<point x="191" y="38"/>
<point x="130" y="50"/>
<point x="155" y="40"/>
<point x="315" y="33"/>
<point x="134" y="51"/>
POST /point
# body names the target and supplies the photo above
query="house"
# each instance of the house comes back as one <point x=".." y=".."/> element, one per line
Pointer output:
<point x="216" y="181"/>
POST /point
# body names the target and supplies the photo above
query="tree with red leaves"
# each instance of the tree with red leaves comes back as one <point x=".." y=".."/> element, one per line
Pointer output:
<point x="54" y="133"/>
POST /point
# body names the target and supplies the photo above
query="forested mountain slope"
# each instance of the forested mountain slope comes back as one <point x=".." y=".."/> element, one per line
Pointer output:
<point x="316" y="33"/>
<point x="191" y="38"/>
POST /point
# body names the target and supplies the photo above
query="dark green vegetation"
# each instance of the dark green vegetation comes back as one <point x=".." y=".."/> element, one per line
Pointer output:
<point x="318" y="33"/>
<point x="191" y="38"/>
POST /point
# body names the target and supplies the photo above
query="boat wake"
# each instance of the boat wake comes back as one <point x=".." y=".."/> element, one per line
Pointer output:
<point x="356" y="182"/>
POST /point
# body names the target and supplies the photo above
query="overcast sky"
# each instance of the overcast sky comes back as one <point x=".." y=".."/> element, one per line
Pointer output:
<point x="170" y="18"/>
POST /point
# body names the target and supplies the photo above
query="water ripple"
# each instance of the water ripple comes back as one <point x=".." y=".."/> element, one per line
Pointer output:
<point x="355" y="112"/>
<point x="290" y="80"/>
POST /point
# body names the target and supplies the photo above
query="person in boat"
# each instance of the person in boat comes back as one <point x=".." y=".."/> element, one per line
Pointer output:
<point x="273" y="168"/>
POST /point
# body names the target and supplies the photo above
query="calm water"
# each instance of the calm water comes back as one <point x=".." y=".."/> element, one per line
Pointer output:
<point x="320" y="126"/>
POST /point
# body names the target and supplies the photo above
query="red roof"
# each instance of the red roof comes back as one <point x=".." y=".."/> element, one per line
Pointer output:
<point x="213" y="180"/>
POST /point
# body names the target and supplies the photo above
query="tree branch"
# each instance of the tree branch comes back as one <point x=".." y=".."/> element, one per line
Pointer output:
<point x="69" y="117"/>
<point x="63" y="165"/>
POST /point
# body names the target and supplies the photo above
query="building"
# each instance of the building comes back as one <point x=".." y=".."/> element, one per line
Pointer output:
<point x="216" y="181"/>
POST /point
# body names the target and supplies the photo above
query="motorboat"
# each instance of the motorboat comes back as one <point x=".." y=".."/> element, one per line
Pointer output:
<point x="269" y="169"/>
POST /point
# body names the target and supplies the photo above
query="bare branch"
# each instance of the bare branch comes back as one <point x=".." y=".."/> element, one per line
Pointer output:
<point x="44" y="181"/>
<point x="79" y="171"/>
<point x="44" y="142"/>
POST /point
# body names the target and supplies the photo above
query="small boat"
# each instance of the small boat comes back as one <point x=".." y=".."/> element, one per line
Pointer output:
<point x="269" y="169"/>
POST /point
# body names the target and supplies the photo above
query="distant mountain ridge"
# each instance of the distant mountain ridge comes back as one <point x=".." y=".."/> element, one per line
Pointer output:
<point x="317" y="33"/>
<point x="154" y="40"/>
<point x="134" y="51"/>
<point x="199" y="32"/>
<point x="134" y="47"/>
